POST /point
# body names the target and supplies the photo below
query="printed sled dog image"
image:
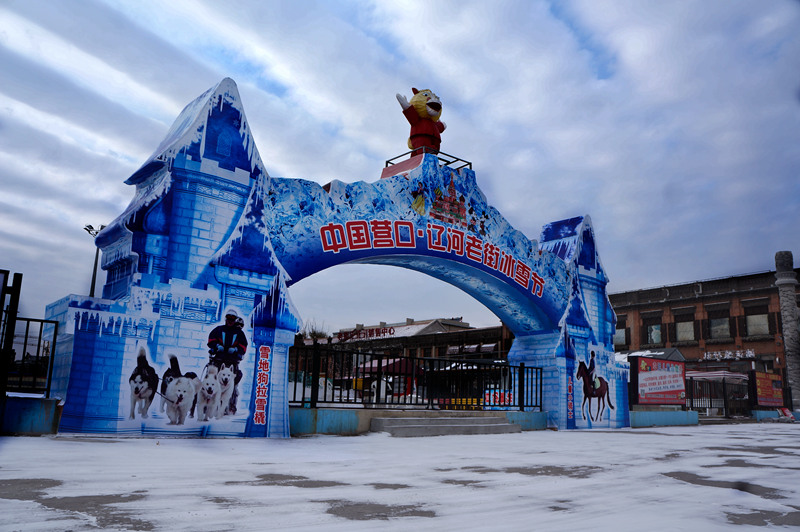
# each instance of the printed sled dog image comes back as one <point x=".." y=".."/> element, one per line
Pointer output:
<point x="143" y="382"/>
<point x="179" y="396"/>
<point x="225" y="377"/>
<point x="208" y="396"/>
<point x="172" y="373"/>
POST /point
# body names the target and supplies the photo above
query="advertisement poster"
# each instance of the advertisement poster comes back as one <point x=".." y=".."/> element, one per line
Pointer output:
<point x="769" y="389"/>
<point x="660" y="382"/>
<point x="495" y="399"/>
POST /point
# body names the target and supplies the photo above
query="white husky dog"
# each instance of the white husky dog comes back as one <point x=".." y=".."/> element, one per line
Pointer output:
<point x="208" y="395"/>
<point x="225" y="377"/>
<point x="179" y="396"/>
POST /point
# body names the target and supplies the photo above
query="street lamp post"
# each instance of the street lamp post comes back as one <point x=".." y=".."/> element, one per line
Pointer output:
<point x="92" y="231"/>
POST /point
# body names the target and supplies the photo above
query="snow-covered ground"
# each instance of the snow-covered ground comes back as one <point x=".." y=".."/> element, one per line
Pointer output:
<point x="724" y="477"/>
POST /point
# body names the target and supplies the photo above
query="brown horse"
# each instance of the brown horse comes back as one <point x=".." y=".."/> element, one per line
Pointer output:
<point x="589" y="392"/>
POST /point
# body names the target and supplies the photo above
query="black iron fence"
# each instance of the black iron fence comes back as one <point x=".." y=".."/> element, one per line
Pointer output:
<point x="445" y="158"/>
<point x="718" y="397"/>
<point x="26" y="345"/>
<point x="29" y="367"/>
<point x="319" y="376"/>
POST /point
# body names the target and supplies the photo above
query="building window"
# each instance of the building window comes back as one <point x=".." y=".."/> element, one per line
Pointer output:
<point x="684" y="331"/>
<point x="654" y="333"/>
<point x="757" y="325"/>
<point x="684" y="327"/>
<point x="651" y="330"/>
<point x="719" y="328"/>
<point x="719" y="325"/>
<point x="621" y="335"/>
<point x="756" y="318"/>
<point x="224" y="142"/>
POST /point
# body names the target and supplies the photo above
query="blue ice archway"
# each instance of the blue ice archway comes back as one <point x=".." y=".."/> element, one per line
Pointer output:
<point x="209" y="232"/>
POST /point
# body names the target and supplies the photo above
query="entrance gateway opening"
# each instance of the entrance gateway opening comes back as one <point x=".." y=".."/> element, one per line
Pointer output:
<point x="210" y="234"/>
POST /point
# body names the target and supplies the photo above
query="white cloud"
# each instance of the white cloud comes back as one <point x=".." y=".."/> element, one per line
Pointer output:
<point x="674" y="125"/>
<point x="41" y="46"/>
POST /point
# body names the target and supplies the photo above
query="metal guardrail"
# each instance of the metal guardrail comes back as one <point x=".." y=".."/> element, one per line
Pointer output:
<point x="321" y="377"/>
<point x="445" y="158"/>
<point x="728" y="398"/>
<point x="30" y="368"/>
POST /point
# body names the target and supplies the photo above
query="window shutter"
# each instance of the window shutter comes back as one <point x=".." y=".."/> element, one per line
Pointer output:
<point x="771" y="319"/>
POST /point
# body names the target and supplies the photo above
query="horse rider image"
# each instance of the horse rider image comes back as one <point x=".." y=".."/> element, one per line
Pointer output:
<point x="592" y="374"/>
<point x="227" y="344"/>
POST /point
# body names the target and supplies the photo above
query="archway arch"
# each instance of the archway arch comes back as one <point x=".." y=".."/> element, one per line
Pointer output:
<point x="209" y="230"/>
<point x="373" y="293"/>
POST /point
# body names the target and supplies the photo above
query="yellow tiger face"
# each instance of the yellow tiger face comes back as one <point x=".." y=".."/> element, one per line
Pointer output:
<point x="427" y="104"/>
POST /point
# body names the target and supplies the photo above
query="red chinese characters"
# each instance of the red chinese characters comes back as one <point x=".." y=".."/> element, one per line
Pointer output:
<point x="538" y="284"/>
<point x="522" y="274"/>
<point x="507" y="265"/>
<point x="362" y="235"/>
<point x="570" y="399"/>
<point x="455" y="241"/>
<point x="435" y="237"/>
<point x="382" y="234"/>
<point x="262" y="385"/>
<point x="491" y="256"/>
<point x="474" y="248"/>
<point x="357" y="235"/>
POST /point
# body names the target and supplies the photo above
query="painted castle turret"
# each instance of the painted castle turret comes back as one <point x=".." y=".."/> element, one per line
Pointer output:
<point x="188" y="249"/>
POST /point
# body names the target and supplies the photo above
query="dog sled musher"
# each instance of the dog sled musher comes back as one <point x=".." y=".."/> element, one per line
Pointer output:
<point x="227" y="345"/>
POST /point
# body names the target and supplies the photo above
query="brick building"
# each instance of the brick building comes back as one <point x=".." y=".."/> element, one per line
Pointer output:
<point x="730" y="323"/>
<point x="434" y="338"/>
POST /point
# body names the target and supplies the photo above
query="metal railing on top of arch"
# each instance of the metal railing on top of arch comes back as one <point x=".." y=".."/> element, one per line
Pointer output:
<point x="321" y="377"/>
<point x="446" y="159"/>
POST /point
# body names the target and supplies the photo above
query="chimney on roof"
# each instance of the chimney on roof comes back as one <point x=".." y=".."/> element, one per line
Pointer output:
<point x="409" y="321"/>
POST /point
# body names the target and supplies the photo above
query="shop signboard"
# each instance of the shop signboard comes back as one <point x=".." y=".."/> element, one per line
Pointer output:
<point x="655" y="381"/>
<point x="768" y="388"/>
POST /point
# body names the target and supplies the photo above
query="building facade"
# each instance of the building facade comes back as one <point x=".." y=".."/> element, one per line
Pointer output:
<point x="732" y="323"/>
<point x="431" y="338"/>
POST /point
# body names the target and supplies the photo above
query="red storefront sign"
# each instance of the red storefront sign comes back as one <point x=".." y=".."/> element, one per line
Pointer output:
<point x="659" y="382"/>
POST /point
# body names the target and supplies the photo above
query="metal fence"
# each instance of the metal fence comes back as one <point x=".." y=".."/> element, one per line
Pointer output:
<point x="724" y="397"/>
<point x="321" y="377"/>
<point x="29" y="368"/>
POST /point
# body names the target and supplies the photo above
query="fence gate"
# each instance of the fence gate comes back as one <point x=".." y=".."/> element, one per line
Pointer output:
<point x="26" y="344"/>
<point x="726" y="397"/>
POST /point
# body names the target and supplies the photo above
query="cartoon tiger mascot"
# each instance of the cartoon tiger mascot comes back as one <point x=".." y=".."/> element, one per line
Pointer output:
<point x="423" y="112"/>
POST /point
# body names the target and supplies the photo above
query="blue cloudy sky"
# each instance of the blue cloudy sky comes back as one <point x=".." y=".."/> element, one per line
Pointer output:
<point x="674" y="124"/>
